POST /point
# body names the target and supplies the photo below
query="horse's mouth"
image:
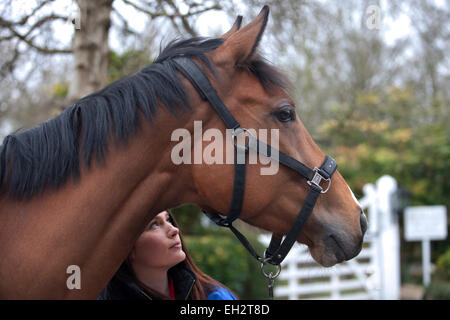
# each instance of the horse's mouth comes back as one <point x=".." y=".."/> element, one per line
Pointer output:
<point x="332" y="251"/>
<point x="341" y="251"/>
<point x="338" y="251"/>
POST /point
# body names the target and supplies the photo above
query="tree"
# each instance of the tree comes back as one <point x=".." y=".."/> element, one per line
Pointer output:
<point x="31" y="35"/>
<point x="90" y="47"/>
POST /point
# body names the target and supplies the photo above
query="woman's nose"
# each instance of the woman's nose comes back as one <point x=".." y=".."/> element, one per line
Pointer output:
<point x="173" y="231"/>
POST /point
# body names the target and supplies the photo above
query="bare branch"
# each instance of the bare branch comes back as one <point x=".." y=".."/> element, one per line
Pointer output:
<point x="153" y="15"/>
<point x="184" y="21"/>
<point x="175" y="12"/>
<point x="24" y="19"/>
<point x="29" y="41"/>
<point x="126" y="27"/>
<point x="8" y="66"/>
<point x="44" y="20"/>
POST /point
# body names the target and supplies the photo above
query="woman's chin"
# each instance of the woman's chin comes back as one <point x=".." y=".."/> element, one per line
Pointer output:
<point x="181" y="256"/>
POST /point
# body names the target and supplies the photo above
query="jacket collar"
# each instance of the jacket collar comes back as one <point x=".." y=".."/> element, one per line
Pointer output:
<point x="122" y="287"/>
<point x="183" y="279"/>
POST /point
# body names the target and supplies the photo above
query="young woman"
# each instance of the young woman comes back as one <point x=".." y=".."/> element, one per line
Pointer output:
<point x="159" y="267"/>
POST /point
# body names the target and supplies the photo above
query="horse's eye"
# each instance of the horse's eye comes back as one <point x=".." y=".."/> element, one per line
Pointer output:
<point x="285" y="115"/>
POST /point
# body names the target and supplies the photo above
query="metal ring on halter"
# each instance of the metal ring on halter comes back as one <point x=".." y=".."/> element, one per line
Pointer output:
<point x="236" y="132"/>
<point x="270" y="275"/>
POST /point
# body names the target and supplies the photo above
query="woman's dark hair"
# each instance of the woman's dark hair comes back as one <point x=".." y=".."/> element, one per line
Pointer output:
<point x="204" y="284"/>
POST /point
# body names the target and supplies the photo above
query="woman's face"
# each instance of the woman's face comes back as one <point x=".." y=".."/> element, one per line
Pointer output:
<point x="159" y="246"/>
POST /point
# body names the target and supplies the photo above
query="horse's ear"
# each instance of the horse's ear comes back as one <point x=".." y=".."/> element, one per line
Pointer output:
<point x="242" y="43"/>
<point x="236" y="26"/>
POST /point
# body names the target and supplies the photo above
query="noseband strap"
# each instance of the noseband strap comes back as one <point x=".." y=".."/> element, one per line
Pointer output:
<point x="278" y="249"/>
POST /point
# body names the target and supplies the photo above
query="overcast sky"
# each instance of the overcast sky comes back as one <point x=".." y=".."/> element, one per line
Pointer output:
<point x="208" y="24"/>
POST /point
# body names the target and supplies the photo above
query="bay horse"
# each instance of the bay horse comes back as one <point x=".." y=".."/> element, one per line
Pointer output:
<point x="79" y="188"/>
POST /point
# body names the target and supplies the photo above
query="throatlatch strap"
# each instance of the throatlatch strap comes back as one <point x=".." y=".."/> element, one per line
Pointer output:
<point x="275" y="253"/>
<point x="225" y="223"/>
<point x="204" y="87"/>
<point x="274" y="244"/>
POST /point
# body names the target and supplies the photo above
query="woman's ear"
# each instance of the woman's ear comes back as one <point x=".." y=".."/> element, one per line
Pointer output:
<point x="240" y="44"/>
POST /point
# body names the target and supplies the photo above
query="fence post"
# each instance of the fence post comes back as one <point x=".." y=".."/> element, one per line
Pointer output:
<point x="389" y="242"/>
<point x="292" y="282"/>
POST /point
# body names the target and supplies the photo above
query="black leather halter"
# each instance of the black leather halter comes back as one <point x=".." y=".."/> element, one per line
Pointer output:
<point x="277" y="250"/>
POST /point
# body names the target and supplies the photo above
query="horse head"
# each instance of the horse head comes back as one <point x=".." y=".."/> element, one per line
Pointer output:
<point x="255" y="93"/>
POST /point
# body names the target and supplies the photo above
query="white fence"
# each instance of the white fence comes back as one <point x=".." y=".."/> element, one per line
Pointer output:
<point x="373" y="274"/>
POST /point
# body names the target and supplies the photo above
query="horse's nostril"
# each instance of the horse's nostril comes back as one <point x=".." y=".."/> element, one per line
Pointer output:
<point x="363" y="221"/>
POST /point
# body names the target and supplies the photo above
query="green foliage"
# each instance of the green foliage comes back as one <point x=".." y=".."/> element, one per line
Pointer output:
<point x="443" y="266"/>
<point x="437" y="291"/>
<point x="221" y="258"/>
<point x="226" y="260"/>
<point x="188" y="216"/>
<point x="386" y="133"/>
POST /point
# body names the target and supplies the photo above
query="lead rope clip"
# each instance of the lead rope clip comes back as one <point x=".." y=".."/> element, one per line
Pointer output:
<point x="271" y="277"/>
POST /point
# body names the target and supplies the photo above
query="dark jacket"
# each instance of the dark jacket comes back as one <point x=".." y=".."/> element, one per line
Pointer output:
<point x="123" y="287"/>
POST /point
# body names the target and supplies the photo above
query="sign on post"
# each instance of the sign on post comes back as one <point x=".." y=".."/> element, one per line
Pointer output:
<point x="426" y="224"/>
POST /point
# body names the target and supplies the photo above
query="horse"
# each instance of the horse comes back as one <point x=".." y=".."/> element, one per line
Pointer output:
<point x="78" y="189"/>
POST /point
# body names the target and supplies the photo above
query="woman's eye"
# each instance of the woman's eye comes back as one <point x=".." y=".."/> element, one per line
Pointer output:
<point x="285" y="115"/>
<point x="153" y="225"/>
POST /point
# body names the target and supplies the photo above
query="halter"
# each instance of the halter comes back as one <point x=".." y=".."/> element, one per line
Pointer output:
<point x="278" y="249"/>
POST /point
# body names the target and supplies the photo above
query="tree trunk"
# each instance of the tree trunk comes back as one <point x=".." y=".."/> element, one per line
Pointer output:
<point x="90" y="47"/>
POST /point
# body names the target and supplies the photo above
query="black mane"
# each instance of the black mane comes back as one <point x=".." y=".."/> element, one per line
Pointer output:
<point x="47" y="155"/>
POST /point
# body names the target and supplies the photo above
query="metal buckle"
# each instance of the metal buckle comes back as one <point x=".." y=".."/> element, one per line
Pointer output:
<point x="234" y="135"/>
<point x="317" y="179"/>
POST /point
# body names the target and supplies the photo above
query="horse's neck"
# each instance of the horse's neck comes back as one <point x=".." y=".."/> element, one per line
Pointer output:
<point x="91" y="224"/>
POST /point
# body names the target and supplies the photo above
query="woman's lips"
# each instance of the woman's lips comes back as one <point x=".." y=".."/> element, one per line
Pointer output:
<point x="176" y="246"/>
